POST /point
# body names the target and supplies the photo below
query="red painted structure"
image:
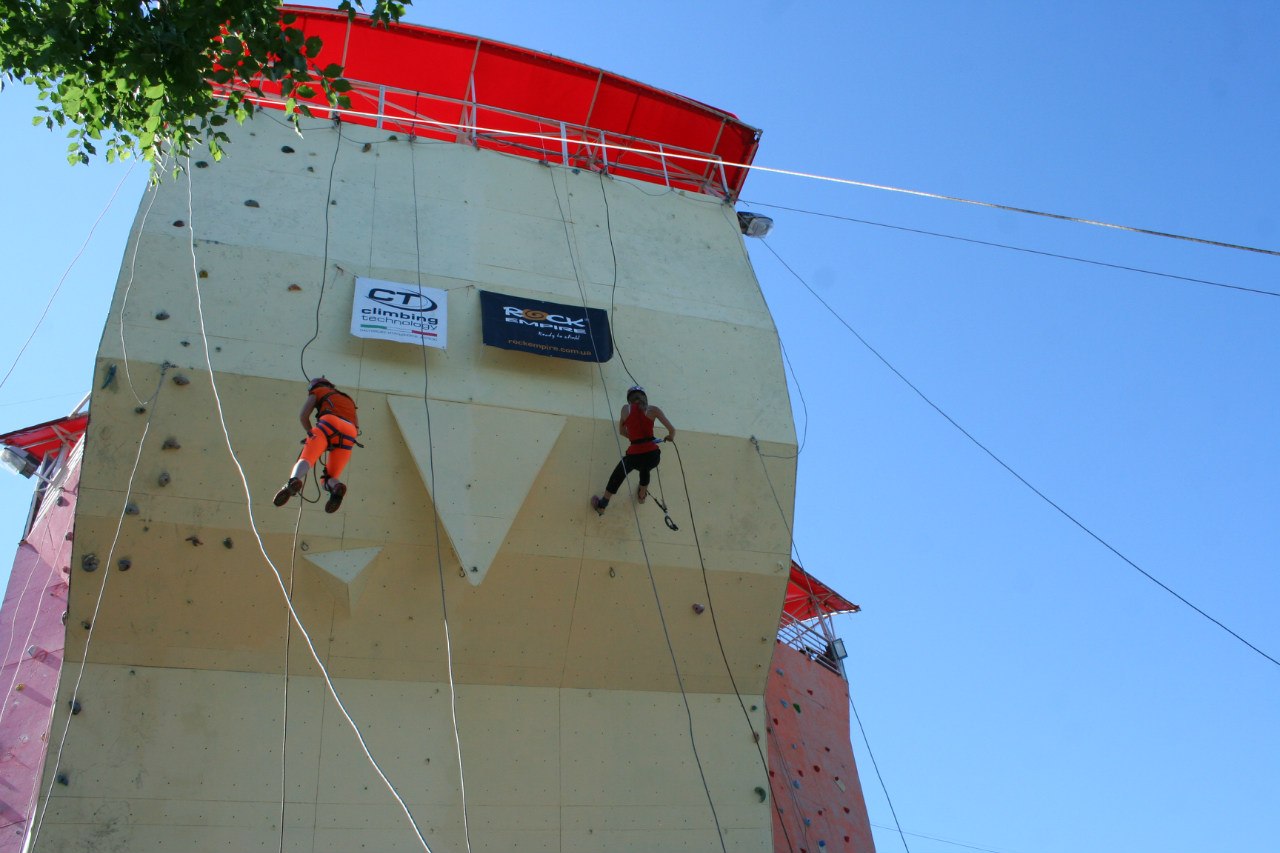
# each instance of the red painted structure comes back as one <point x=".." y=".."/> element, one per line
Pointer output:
<point x="817" y="798"/>
<point x="443" y="85"/>
<point x="32" y="633"/>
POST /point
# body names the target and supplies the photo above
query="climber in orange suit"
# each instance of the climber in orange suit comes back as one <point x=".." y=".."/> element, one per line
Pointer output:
<point x="335" y="430"/>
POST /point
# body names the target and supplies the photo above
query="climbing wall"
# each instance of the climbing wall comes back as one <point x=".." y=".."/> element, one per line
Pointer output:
<point x="32" y="633"/>
<point x="818" y="803"/>
<point x="595" y="709"/>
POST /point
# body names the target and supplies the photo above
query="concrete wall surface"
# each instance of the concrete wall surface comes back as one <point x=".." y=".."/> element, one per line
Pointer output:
<point x="585" y="678"/>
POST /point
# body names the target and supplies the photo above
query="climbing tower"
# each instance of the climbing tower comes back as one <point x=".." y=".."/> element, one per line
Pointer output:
<point x="485" y="249"/>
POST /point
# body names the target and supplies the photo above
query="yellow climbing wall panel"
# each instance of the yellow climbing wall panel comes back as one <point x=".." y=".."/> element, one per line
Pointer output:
<point x="574" y="731"/>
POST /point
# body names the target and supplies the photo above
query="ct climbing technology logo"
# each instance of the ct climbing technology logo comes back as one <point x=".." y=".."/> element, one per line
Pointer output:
<point x="545" y="328"/>
<point x="404" y="300"/>
<point x="393" y="311"/>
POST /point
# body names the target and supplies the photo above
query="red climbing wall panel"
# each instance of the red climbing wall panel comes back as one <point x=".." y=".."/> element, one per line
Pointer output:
<point x="817" y="799"/>
<point x="32" y="637"/>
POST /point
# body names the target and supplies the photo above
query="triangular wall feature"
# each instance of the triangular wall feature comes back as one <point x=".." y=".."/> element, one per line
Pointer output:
<point x="343" y="572"/>
<point x="486" y="459"/>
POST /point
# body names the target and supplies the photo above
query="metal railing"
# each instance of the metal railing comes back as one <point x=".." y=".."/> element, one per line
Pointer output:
<point x="813" y="638"/>
<point x="425" y="115"/>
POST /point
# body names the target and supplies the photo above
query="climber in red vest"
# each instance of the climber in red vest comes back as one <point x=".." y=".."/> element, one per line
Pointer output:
<point x="335" y="431"/>
<point x="636" y="424"/>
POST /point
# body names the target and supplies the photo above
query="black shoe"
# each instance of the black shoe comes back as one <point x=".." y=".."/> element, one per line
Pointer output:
<point x="336" y="494"/>
<point x="599" y="504"/>
<point x="287" y="491"/>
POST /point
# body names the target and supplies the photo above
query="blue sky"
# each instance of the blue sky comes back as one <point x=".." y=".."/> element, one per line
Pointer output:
<point x="1024" y="690"/>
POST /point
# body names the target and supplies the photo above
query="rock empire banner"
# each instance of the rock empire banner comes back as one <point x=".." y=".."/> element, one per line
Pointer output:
<point x="545" y="328"/>
<point x="393" y="311"/>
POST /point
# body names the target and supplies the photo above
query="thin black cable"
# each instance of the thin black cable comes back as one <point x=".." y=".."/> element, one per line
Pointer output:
<point x="1008" y="468"/>
<point x="324" y="268"/>
<point x="791" y="792"/>
<point x="804" y="436"/>
<point x="791" y="534"/>
<point x="715" y="626"/>
<point x="613" y="291"/>
<point x="942" y="840"/>
<point x="644" y="549"/>
<point x="284" y="715"/>
<point x="1012" y="248"/>
<point x="435" y="515"/>
<point x="688" y="501"/>
<point x="876" y="767"/>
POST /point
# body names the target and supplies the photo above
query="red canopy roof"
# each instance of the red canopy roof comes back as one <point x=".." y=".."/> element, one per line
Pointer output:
<point x="42" y="439"/>
<point x="808" y="597"/>
<point x="468" y="86"/>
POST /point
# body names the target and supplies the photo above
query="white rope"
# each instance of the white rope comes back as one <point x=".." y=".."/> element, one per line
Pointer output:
<point x="35" y="616"/>
<point x="315" y="655"/>
<point x="133" y="266"/>
<point x="61" y="281"/>
<point x="792" y="173"/>
<point x="444" y="610"/>
<point x="97" y="607"/>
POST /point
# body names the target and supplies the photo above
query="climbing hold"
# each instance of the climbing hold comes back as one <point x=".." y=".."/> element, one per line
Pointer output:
<point x="110" y="377"/>
<point x="753" y="707"/>
<point x="294" y="288"/>
<point x="62" y="501"/>
<point x="248" y="202"/>
<point x="125" y="564"/>
<point x="164" y="479"/>
<point x="86" y="624"/>
<point x="311" y="168"/>
<point x="140" y="410"/>
<point x="131" y="509"/>
<point x="612" y="573"/>
<point x="762" y="793"/>
<point x="227" y="543"/>
<point x="305" y="546"/>
<point x="286" y="149"/>
<point x="194" y="540"/>
<point x="797" y="707"/>
<point x="778" y="671"/>
<point x="333" y="203"/>
<point x="179" y="379"/>
<point x="393" y="138"/>
<point x="202" y="164"/>
<point x="204" y="273"/>
<point x="162" y="315"/>
<point x="795" y="783"/>
<point x="698" y="608"/>
<point x="75" y="707"/>
<point x="170" y="444"/>
<point x="178" y="223"/>
<point x="366" y="148"/>
<point x="808" y="822"/>
<point x="89" y="562"/>
<point x="63" y="779"/>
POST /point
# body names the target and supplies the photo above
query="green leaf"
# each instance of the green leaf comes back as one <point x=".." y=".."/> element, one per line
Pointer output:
<point x="332" y="70"/>
<point x="153" y="92"/>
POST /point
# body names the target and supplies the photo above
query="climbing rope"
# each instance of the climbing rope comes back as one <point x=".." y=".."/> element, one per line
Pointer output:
<point x="431" y="464"/>
<point x="666" y="633"/>
<point x="62" y="280"/>
<point x="297" y="620"/>
<point x="97" y="607"/>
<point x="324" y="263"/>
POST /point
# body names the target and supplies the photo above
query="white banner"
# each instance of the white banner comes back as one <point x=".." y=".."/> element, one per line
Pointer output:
<point x="394" y="311"/>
